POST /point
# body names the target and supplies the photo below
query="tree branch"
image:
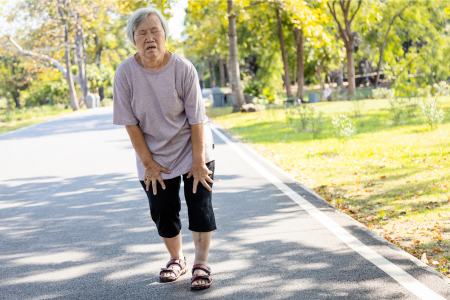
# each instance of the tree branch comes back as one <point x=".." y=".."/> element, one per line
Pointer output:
<point x="354" y="14"/>
<point x="254" y="4"/>
<point x="23" y="52"/>
<point x="333" y="13"/>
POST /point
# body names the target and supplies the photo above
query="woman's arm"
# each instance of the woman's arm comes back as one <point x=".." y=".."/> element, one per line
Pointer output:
<point x="152" y="169"/>
<point x="199" y="169"/>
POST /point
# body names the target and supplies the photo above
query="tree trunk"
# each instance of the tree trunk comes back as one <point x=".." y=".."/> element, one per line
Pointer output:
<point x="98" y="59"/>
<point x="222" y="73"/>
<point x="212" y="73"/>
<point x="69" y="78"/>
<point x="238" y="95"/>
<point x="98" y="55"/>
<point x="298" y="35"/>
<point x="287" y="79"/>
<point x="350" y="70"/>
<point x="16" y="96"/>
<point x="79" y="52"/>
<point x="319" y="72"/>
<point x="228" y="71"/>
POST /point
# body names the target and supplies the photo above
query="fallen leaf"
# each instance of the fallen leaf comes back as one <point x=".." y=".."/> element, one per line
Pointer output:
<point x="383" y="176"/>
<point x="439" y="215"/>
<point x="438" y="250"/>
<point x="416" y="242"/>
<point x="424" y="258"/>
<point x="443" y="260"/>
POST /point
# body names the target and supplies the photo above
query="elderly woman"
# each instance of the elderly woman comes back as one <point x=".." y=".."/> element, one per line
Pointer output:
<point x="157" y="97"/>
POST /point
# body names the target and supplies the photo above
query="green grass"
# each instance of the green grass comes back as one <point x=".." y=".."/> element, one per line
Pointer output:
<point x="395" y="178"/>
<point x="17" y="118"/>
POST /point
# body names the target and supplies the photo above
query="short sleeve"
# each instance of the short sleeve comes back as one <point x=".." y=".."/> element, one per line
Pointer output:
<point x="193" y="100"/>
<point x="123" y="112"/>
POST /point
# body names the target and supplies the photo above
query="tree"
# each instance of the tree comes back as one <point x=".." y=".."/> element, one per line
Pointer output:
<point x="287" y="78"/>
<point x="67" y="24"/>
<point x="309" y="21"/>
<point x="238" y="95"/>
<point x="346" y="33"/>
<point x="379" y="24"/>
<point x="15" y="76"/>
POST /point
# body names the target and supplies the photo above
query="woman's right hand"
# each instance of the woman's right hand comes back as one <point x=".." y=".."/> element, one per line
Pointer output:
<point x="153" y="174"/>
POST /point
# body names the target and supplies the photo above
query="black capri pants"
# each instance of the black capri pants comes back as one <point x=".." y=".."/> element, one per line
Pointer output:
<point x="165" y="206"/>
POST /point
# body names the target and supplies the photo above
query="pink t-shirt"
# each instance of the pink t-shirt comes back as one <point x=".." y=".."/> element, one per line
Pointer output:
<point x="163" y="103"/>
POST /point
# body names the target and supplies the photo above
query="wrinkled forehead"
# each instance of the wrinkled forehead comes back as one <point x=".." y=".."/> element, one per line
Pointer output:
<point x="151" y="22"/>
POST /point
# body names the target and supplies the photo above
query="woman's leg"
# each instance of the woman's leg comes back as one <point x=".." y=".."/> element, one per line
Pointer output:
<point x="173" y="245"/>
<point x="201" y="219"/>
<point x="201" y="242"/>
<point x="164" y="209"/>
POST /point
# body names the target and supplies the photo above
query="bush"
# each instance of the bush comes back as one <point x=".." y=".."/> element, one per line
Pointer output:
<point x="344" y="129"/>
<point x="303" y="114"/>
<point x="441" y="88"/>
<point x="383" y="93"/>
<point x="433" y="113"/>
<point x="315" y="119"/>
<point x="289" y="115"/>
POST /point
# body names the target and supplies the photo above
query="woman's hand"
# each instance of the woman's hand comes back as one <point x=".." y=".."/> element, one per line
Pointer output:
<point x="153" y="174"/>
<point x="200" y="173"/>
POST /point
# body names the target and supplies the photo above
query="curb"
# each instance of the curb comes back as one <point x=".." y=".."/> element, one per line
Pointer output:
<point x="373" y="234"/>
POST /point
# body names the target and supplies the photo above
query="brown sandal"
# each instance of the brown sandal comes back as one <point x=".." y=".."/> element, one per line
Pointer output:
<point x="177" y="273"/>
<point x="201" y="276"/>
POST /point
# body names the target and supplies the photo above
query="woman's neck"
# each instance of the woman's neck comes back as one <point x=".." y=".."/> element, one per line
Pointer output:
<point x="153" y="64"/>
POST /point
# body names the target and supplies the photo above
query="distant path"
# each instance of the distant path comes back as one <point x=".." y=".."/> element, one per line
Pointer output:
<point x="75" y="224"/>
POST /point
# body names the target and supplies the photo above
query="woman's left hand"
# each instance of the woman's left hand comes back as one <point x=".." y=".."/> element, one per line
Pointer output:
<point x="200" y="173"/>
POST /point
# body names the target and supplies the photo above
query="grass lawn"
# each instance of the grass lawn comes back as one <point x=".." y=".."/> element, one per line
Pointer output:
<point x="19" y="118"/>
<point x="393" y="178"/>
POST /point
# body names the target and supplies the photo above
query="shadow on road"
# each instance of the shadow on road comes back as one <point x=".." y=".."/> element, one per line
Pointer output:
<point x="92" y="238"/>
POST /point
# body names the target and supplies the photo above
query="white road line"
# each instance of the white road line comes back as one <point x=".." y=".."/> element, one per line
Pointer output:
<point x="402" y="277"/>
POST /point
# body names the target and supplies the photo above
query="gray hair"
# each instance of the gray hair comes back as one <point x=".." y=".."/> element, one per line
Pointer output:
<point x="140" y="15"/>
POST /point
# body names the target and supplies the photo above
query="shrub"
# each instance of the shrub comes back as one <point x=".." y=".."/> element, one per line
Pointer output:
<point x="315" y="119"/>
<point x="289" y="115"/>
<point x="344" y="129"/>
<point x="433" y="113"/>
<point x="303" y="114"/>
<point x="397" y="109"/>
<point x="441" y="88"/>
<point x="383" y="93"/>
<point x="358" y="106"/>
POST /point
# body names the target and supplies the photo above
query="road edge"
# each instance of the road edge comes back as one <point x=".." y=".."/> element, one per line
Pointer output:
<point x="402" y="252"/>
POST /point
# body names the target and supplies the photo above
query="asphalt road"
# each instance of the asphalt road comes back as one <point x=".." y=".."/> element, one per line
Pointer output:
<point x="75" y="224"/>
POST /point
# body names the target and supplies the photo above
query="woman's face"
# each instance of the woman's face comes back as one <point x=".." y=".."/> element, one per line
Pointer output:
<point x="150" y="38"/>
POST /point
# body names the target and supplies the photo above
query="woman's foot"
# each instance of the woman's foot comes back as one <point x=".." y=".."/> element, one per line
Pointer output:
<point x="173" y="270"/>
<point x="201" y="277"/>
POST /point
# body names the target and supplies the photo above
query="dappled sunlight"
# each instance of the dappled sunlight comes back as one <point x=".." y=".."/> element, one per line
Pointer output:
<point x="55" y="258"/>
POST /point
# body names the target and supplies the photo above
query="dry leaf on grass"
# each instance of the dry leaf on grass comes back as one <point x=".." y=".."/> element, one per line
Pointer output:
<point x="416" y="242"/>
<point x="438" y="250"/>
<point x="383" y="176"/>
<point x="424" y="258"/>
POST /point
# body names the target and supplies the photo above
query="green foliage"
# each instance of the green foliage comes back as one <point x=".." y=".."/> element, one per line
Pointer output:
<point x="397" y="109"/>
<point x="289" y="112"/>
<point x="344" y="129"/>
<point x="99" y="76"/>
<point x="315" y="119"/>
<point x="383" y="93"/>
<point x="302" y="112"/>
<point x="433" y="113"/>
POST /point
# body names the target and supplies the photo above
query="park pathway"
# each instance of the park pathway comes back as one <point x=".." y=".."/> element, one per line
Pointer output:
<point x="75" y="224"/>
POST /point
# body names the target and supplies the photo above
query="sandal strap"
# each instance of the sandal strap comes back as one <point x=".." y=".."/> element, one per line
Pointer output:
<point x="175" y="272"/>
<point x="200" y="276"/>
<point x="179" y="262"/>
<point x="201" y="267"/>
